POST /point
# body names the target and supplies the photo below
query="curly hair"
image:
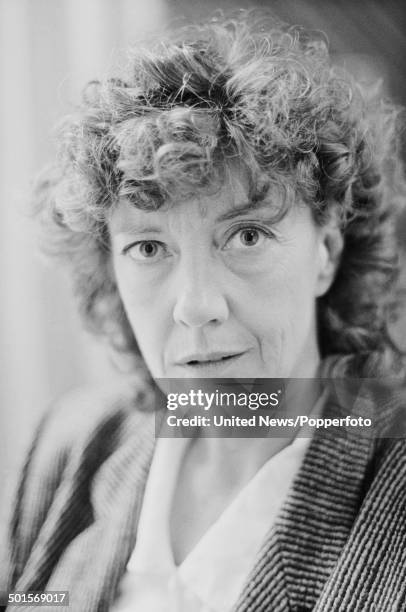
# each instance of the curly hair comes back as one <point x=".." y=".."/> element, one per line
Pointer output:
<point x="261" y="92"/>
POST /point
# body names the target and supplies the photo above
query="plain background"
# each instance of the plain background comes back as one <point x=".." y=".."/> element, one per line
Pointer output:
<point x="48" y="50"/>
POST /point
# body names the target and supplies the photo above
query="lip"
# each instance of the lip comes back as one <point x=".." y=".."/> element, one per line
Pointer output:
<point x="207" y="359"/>
<point x="221" y="365"/>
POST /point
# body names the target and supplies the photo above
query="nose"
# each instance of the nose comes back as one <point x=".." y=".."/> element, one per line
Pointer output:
<point x="200" y="298"/>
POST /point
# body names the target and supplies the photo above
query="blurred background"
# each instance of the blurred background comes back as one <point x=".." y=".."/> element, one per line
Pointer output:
<point x="48" y="50"/>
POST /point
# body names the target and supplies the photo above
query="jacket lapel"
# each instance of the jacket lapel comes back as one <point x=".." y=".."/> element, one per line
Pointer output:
<point x="303" y="546"/>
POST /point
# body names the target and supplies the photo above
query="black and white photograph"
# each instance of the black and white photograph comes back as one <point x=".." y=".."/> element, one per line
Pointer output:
<point x="203" y="306"/>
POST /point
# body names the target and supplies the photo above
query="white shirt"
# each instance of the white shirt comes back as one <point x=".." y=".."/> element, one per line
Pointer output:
<point x="213" y="574"/>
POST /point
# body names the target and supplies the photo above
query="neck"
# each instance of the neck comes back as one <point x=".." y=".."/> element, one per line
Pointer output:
<point x="238" y="459"/>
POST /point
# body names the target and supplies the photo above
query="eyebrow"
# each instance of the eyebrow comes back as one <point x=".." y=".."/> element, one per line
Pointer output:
<point x="138" y="229"/>
<point x="243" y="209"/>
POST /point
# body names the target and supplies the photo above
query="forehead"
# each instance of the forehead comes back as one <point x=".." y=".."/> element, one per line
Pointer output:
<point x="230" y="199"/>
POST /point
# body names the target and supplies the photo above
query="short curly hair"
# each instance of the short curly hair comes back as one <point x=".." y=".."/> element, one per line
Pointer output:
<point x="258" y="91"/>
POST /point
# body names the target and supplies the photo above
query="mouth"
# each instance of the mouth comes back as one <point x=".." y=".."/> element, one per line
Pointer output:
<point x="210" y="359"/>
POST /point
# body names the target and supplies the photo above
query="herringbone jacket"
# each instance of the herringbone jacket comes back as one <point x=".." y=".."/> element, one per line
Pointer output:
<point x="339" y="543"/>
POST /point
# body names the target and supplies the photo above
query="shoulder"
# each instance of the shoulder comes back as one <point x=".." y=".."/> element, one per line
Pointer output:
<point x="82" y="429"/>
<point x="73" y="440"/>
<point x="388" y="431"/>
<point x="82" y="413"/>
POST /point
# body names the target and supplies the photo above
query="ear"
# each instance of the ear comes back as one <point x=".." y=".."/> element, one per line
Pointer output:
<point x="330" y="248"/>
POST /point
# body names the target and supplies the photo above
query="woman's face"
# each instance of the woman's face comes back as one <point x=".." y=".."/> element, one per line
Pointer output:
<point x="214" y="288"/>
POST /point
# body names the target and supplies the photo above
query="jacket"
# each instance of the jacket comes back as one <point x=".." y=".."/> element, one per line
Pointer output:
<point x="339" y="543"/>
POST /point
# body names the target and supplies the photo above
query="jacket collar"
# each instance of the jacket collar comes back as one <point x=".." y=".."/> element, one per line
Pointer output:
<point x="302" y="548"/>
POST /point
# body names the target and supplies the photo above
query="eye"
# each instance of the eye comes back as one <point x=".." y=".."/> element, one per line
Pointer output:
<point x="247" y="237"/>
<point x="146" y="250"/>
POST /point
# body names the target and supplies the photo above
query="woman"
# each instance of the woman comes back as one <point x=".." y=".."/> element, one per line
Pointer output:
<point x="227" y="210"/>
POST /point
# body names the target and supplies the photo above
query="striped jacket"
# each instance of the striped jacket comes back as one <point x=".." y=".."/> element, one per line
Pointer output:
<point x="339" y="543"/>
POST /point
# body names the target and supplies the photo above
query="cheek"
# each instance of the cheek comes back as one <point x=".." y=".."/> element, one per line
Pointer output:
<point x="279" y="290"/>
<point x="139" y="290"/>
<point x="145" y="309"/>
<point x="281" y="307"/>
